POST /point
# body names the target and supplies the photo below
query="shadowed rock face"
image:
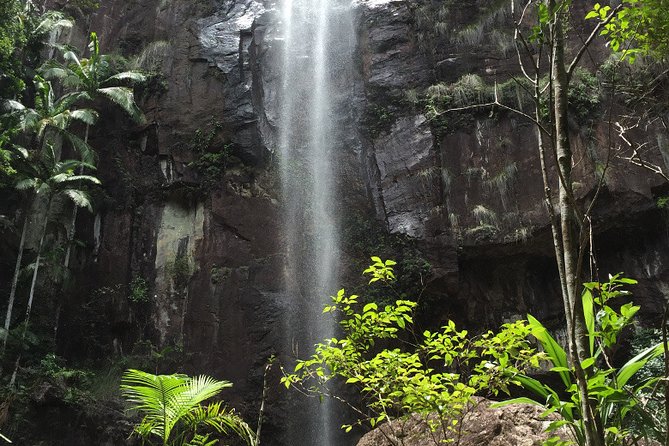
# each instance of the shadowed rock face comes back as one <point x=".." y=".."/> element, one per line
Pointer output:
<point x="217" y="95"/>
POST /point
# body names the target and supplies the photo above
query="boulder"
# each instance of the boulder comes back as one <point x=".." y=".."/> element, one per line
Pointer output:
<point x="515" y="424"/>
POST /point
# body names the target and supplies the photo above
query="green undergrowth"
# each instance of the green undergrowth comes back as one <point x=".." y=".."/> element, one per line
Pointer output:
<point x="457" y="106"/>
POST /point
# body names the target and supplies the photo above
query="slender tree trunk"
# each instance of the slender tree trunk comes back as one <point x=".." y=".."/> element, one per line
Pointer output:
<point x="12" y="381"/>
<point x="576" y="327"/>
<point x="665" y="345"/>
<point x="68" y="248"/>
<point x="36" y="270"/>
<point x="15" y="280"/>
<point x="73" y="219"/>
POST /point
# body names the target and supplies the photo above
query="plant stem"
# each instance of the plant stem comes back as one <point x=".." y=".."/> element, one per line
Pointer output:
<point x="665" y="345"/>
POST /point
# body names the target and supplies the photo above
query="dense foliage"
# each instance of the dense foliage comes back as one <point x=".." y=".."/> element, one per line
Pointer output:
<point x="431" y="375"/>
<point x="12" y="40"/>
<point x="638" y="27"/>
<point x="402" y="375"/>
<point x="622" y="397"/>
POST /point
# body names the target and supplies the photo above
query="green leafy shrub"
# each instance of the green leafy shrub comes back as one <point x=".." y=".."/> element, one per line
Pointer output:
<point x="584" y="95"/>
<point x="434" y="377"/>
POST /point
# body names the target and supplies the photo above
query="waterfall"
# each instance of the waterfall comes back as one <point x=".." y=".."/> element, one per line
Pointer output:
<point x="317" y="45"/>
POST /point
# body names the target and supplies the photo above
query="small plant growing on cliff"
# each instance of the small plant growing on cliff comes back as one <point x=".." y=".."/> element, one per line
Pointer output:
<point x="434" y="378"/>
<point x="139" y="290"/>
<point x="180" y="270"/>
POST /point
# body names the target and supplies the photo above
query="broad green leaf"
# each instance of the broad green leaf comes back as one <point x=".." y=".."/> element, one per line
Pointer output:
<point x="589" y="314"/>
<point x="533" y="386"/>
<point x="370" y="306"/>
<point x="555" y="352"/>
<point x="632" y="366"/>
<point x="519" y="400"/>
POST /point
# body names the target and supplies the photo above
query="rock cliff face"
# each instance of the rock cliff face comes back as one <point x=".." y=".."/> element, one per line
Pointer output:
<point x="204" y="234"/>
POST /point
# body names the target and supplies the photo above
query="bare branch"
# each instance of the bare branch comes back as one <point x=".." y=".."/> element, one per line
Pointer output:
<point x="635" y="157"/>
<point x="496" y="103"/>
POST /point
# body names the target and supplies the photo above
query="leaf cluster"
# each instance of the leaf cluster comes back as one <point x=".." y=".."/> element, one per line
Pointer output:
<point x="433" y="375"/>
<point x="639" y="28"/>
<point x="615" y="396"/>
<point x="173" y="410"/>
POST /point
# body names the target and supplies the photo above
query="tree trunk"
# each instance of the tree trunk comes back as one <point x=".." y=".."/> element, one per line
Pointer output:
<point x="665" y="346"/>
<point x="12" y="381"/>
<point x="73" y="219"/>
<point x="576" y="327"/>
<point x="15" y="280"/>
<point x="36" y="270"/>
<point x="68" y="247"/>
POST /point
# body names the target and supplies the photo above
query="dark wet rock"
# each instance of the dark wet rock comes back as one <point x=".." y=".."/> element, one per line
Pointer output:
<point x="404" y="158"/>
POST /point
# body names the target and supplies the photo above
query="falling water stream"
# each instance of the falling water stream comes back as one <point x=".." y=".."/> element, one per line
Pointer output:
<point x="317" y="48"/>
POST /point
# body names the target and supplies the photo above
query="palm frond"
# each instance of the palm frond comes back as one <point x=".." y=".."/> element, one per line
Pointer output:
<point x="51" y="21"/>
<point x="85" y="115"/>
<point x="169" y="401"/>
<point x="29" y="119"/>
<point x="10" y="106"/>
<point x="26" y="183"/>
<point x="124" y="98"/>
<point x="150" y="394"/>
<point x="49" y="156"/>
<point x="201" y="388"/>
<point x="72" y="165"/>
<point x="67" y="75"/>
<point x="53" y="70"/>
<point x="65" y="102"/>
<point x="197" y="390"/>
<point x="238" y="426"/>
<point x="59" y="121"/>
<point x="83" y="178"/>
<point x="21" y="151"/>
<point x="85" y="151"/>
<point x="222" y="420"/>
<point x="80" y="198"/>
<point x="71" y="57"/>
<point x="60" y="178"/>
<point x="127" y="76"/>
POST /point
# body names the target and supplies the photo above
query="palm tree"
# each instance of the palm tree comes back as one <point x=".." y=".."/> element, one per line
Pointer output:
<point x="44" y="125"/>
<point x="93" y="77"/>
<point x="53" y="179"/>
<point x="173" y="410"/>
<point x="50" y="179"/>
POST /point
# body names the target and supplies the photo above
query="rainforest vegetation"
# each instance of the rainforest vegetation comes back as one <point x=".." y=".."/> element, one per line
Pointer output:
<point x="54" y="97"/>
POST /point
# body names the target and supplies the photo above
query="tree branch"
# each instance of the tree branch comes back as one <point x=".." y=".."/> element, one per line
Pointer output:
<point x="591" y="37"/>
